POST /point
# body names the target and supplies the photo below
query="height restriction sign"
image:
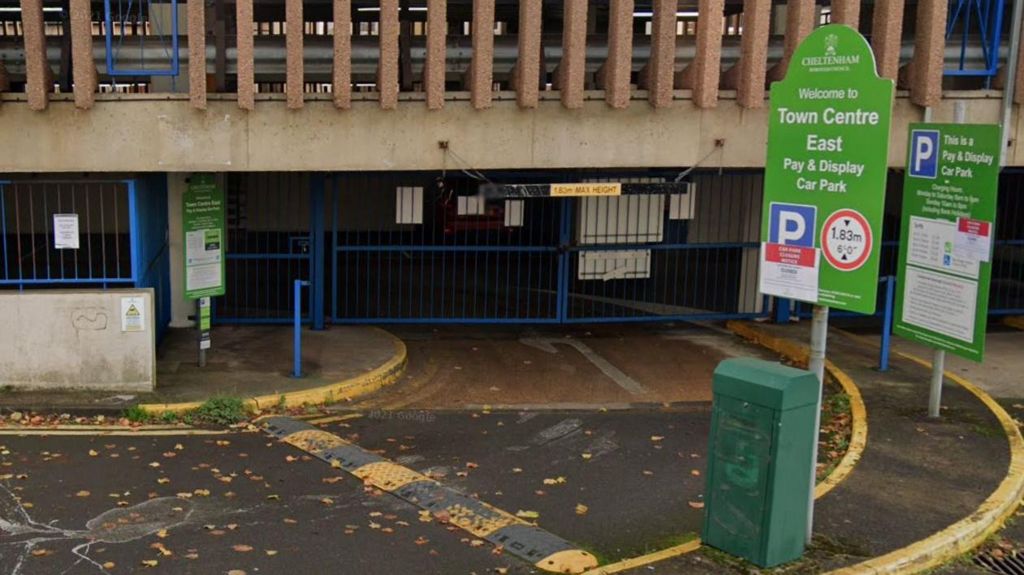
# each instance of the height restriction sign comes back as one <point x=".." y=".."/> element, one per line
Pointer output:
<point x="824" y="189"/>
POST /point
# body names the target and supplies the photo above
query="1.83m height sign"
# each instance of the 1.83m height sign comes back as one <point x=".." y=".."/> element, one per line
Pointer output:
<point x="828" y="142"/>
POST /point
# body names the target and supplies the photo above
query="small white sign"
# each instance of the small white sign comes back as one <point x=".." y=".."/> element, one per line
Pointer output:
<point x="133" y="313"/>
<point x="790" y="271"/>
<point x="65" y="231"/>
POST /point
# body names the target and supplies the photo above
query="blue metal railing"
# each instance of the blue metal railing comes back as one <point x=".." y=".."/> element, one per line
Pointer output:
<point x="976" y="23"/>
<point x="139" y="20"/>
<point x="297" y="328"/>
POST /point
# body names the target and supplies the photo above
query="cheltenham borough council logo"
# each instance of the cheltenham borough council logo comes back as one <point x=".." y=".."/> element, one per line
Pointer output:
<point x="831" y="42"/>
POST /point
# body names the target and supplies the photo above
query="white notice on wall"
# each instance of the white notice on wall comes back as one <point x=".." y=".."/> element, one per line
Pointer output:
<point x="941" y="303"/>
<point x="65" y="231"/>
<point x="133" y="313"/>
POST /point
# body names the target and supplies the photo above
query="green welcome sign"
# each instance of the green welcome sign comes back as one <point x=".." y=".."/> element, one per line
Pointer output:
<point x="947" y="233"/>
<point x="203" y="222"/>
<point x="828" y="142"/>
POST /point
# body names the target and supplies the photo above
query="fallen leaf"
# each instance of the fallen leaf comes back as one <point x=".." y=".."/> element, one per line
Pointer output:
<point x="82" y="493"/>
<point x="332" y="480"/>
<point x="150" y="562"/>
<point x="236" y="572"/>
<point x="162" y="534"/>
<point x="271" y="552"/>
<point x="242" y="548"/>
<point x="426" y="517"/>
<point x="421" y="540"/>
<point x="93" y="453"/>
<point x="586" y="455"/>
<point x="581" y="509"/>
<point x="327" y="501"/>
<point x="179" y="446"/>
<point x="695" y="472"/>
<point x="476" y="543"/>
<point x="109" y="565"/>
<point x="527" y="514"/>
<point x="648" y="472"/>
<point x="657" y="437"/>
<point x="556" y="481"/>
<point x="40" y="552"/>
<point x="517" y="470"/>
<point x="697" y="504"/>
<point x="163" y="480"/>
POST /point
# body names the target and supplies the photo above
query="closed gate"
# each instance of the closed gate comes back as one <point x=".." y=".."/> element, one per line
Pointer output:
<point x="414" y="249"/>
<point x="269" y="245"/>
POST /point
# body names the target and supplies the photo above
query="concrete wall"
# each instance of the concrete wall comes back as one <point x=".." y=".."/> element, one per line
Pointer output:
<point x="157" y="133"/>
<point x="73" y="339"/>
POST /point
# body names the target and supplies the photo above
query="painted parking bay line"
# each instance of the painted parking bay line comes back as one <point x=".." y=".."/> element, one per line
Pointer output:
<point x="524" y="540"/>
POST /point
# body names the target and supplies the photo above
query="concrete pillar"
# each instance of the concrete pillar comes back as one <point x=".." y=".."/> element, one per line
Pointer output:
<point x="846" y="12"/>
<point x="245" y="65"/>
<point x="753" y="53"/>
<point x="887" y="36"/>
<point x="661" y="67"/>
<point x="434" y="67"/>
<point x="83" y="69"/>
<point x="341" y="76"/>
<point x="619" y="66"/>
<point x="481" y="71"/>
<point x="929" y="51"/>
<point x="387" y="72"/>
<point x="295" y="80"/>
<point x="800" y="19"/>
<point x="703" y="74"/>
<point x="574" y="53"/>
<point x="181" y="308"/>
<point x="527" y="81"/>
<point x="35" y="54"/>
<point x="197" y="53"/>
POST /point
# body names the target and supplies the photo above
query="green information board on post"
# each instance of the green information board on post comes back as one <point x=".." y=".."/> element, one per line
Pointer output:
<point x="825" y="175"/>
<point x="947" y="233"/>
<point x="204" y="230"/>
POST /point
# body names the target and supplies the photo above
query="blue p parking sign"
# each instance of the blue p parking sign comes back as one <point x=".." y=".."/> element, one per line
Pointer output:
<point x="924" y="154"/>
<point x="792" y="224"/>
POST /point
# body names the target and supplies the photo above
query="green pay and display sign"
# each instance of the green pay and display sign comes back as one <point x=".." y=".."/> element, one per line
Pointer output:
<point x="203" y="222"/>
<point x="949" y="212"/>
<point x="828" y="141"/>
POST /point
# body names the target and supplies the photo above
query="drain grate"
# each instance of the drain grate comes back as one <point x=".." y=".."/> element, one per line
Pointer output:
<point x="1009" y="564"/>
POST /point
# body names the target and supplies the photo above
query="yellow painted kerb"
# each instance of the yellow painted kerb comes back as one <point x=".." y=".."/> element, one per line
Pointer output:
<point x="386" y="374"/>
<point x="799" y="354"/>
<point x="968" y="533"/>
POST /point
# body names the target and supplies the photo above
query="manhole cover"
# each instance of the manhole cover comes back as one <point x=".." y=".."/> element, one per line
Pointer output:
<point x="1009" y="564"/>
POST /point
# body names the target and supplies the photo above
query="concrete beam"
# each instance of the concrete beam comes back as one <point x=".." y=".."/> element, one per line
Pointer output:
<point x="83" y="67"/>
<point x="662" y="64"/>
<point x="196" y="11"/>
<point x="753" y="62"/>
<point x="887" y="36"/>
<point x="617" y="69"/>
<point x="800" y="19"/>
<point x="481" y="68"/>
<point x="703" y="74"/>
<point x="341" y="73"/>
<point x="295" y="80"/>
<point x="929" y="48"/>
<point x="574" y="53"/>
<point x="36" y="84"/>
<point x="527" y="71"/>
<point x="435" y="65"/>
<point x="387" y="74"/>
<point x="154" y="133"/>
<point x="245" y="64"/>
<point x="846" y="12"/>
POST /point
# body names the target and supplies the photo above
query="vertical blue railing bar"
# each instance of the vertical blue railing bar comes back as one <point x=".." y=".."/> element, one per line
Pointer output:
<point x="134" y="232"/>
<point x="564" y="265"/>
<point x="297" y="330"/>
<point x="883" y="352"/>
<point x="3" y="229"/>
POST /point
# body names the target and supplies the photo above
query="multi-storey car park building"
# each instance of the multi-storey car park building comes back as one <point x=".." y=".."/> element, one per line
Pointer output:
<point x="352" y="137"/>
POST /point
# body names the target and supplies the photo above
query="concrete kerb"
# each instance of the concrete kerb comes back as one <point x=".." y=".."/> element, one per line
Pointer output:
<point x="858" y="438"/>
<point x="1015" y="321"/>
<point x="382" y="376"/>
<point x="970" y="532"/>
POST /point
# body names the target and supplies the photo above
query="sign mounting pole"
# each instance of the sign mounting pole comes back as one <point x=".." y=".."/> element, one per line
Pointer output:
<point x="824" y="189"/>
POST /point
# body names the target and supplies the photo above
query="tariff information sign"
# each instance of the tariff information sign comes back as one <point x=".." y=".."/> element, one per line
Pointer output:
<point x="949" y="211"/>
<point x="203" y="221"/>
<point x="828" y="141"/>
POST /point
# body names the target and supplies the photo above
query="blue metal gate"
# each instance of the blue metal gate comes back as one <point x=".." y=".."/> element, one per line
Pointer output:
<point x="414" y="248"/>
<point x="269" y="246"/>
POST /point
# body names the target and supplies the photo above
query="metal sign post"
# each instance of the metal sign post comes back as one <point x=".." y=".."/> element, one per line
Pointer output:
<point x="825" y="175"/>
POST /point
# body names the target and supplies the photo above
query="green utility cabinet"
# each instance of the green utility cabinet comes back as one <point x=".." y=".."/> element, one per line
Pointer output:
<point x="759" y="460"/>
